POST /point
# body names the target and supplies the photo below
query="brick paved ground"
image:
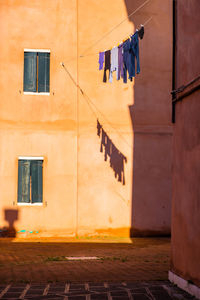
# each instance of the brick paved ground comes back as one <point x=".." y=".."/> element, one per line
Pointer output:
<point x="140" y="259"/>
<point x="39" y="269"/>
<point x="94" y="291"/>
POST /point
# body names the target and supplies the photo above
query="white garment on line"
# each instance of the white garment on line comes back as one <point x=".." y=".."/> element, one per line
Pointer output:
<point x="113" y="62"/>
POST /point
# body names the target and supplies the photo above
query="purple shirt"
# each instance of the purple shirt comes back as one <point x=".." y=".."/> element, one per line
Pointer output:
<point x="120" y="62"/>
<point x="101" y="60"/>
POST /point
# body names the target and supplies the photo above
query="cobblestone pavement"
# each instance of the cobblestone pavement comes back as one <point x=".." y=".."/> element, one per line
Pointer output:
<point x="97" y="291"/>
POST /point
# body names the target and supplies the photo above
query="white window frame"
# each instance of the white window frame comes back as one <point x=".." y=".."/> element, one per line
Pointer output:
<point x="30" y="158"/>
<point x="37" y="50"/>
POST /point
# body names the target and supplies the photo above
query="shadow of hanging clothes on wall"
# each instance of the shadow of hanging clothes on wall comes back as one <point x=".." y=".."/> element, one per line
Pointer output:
<point x="11" y="215"/>
<point x="117" y="159"/>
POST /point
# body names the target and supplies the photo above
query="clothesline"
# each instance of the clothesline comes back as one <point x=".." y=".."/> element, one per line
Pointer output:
<point x="116" y="157"/>
<point x="117" y="25"/>
<point x="87" y="99"/>
<point x="97" y="53"/>
<point x="91" y="104"/>
<point x="121" y="42"/>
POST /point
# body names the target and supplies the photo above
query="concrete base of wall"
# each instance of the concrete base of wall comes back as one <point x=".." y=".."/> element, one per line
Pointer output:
<point x="184" y="284"/>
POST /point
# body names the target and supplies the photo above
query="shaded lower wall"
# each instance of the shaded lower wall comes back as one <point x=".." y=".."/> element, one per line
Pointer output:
<point x="185" y="256"/>
<point x="151" y="210"/>
<point x="150" y="113"/>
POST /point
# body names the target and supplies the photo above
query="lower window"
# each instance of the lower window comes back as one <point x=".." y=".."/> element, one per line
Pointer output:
<point x="30" y="181"/>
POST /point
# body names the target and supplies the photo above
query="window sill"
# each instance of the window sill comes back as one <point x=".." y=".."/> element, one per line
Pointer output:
<point x="29" y="204"/>
<point x="35" y="93"/>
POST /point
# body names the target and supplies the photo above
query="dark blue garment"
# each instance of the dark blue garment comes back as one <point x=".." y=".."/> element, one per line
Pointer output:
<point x="127" y="59"/>
<point x="134" y="55"/>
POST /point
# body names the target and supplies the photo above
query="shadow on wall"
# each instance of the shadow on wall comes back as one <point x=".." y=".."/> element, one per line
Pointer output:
<point x="11" y="216"/>
<point x="111" y="152"/>
<point x="150" y="184"/>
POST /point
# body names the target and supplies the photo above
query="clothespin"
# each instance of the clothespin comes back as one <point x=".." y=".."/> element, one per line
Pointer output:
<point x="141" y="32"/>
<point x="127" y="38"/>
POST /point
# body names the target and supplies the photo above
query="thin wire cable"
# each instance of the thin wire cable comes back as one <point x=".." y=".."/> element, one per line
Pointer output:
<point x="148" y="21"/>
<point x="89" y="102"/>
<point x="92" y="54"/>
<point x="81" y="56"/>
<point x="105" y="118"/>
<point x="111" y="30"/>
<point x="79" y="89"/>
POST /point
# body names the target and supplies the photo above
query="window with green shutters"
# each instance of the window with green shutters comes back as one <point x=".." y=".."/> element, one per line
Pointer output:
<point x="36" y="72"/>
<point x="30" y="181"/>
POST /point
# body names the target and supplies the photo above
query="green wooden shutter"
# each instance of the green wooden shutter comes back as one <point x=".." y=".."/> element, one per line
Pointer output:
<point x="23" y="181"/>
<point x="30" y="71"/>
<point x="43" y="72"/>
<point x="36" y="180"/>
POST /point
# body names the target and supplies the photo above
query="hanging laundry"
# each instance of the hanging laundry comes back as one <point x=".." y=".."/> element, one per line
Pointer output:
<point x="126" y="59"/>
<point x="117" y="159"/>
<point x="113" y="62"/>
<point x="120" y="62"/>
<point x="122" y="59"/>
<point x="134" y="55"/>
<point x="101" y="60"/>
<point x="106" y="65"/>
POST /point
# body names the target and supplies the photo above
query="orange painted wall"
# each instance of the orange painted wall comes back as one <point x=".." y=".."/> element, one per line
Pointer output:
<point x="81" y="195"/>
<point x="34" y="125"/>
<point x="185" y="249"/>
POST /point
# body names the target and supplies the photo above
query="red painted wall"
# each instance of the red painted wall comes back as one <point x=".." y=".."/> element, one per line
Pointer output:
<point x="185" y="260"/>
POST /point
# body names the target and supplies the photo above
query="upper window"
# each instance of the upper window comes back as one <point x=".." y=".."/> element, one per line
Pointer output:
<point x="36" y="71"/>
<point x="30" y="180"/>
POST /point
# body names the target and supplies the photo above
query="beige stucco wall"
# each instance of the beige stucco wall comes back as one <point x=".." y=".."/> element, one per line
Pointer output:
<point x="81" y="195"/>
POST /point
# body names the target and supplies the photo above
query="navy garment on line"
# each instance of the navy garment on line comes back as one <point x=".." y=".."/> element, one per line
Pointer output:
<point x="126" y="59"/>
<point x="134" y="55"/>
<point x="130" y="54"/>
